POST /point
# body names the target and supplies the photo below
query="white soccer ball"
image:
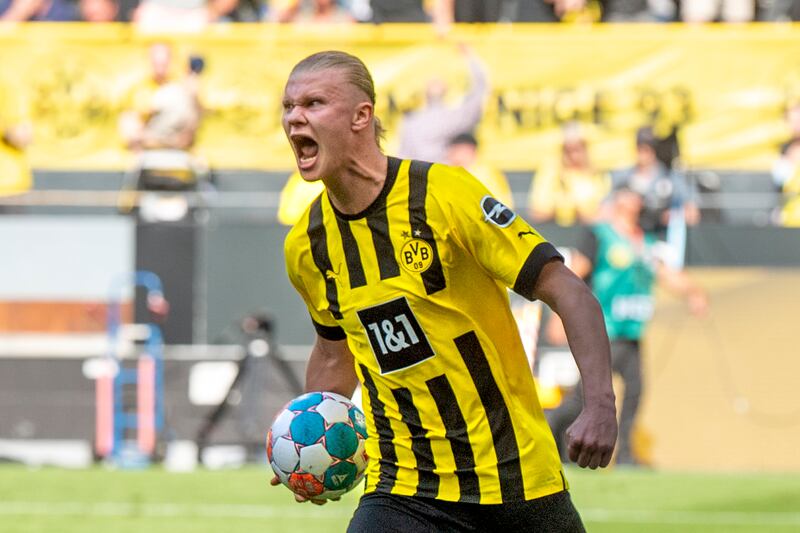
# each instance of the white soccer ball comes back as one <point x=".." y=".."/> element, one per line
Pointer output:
<point x="316" y="445"/>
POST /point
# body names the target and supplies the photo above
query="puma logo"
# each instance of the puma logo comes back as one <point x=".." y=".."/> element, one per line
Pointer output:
<point x="332" y="274"/>
<point x="521" y="233"/>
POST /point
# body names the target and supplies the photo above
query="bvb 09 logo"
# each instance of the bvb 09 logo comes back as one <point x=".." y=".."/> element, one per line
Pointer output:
<point x="416" y="256"/>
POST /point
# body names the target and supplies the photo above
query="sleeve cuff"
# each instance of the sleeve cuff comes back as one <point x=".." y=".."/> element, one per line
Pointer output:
<point x="331" y="333"/>
<point x="529" y="273"/>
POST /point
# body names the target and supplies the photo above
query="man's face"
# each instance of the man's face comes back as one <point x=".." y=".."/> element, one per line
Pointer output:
<point x="160" y="58"/>
<point x="629" y="202"/>
<point x="645" y="155"/>
<point x="575" y="153"/>
<point x="318" y="112"/>
<point x="461" y="154"/>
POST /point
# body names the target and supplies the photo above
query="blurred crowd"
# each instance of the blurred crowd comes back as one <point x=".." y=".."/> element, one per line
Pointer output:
<point x="164" y="112"/>
<point x="195" y="14"/>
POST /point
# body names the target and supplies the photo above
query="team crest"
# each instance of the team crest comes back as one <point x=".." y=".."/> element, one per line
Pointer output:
<point x="495" y="212"/>
<point x="416" y="256"/>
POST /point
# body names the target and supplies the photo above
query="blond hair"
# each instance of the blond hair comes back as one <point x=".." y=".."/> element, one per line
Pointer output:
<point x="356" y="73"/>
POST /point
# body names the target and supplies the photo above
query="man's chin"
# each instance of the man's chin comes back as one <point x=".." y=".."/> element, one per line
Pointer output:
<point x="309" y="174"/>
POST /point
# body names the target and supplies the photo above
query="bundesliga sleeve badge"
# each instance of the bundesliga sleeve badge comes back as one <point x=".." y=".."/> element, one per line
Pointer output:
<point x="495" y="212"/>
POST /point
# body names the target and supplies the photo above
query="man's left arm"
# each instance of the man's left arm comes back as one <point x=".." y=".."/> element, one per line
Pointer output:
<point x="593" y="434"/>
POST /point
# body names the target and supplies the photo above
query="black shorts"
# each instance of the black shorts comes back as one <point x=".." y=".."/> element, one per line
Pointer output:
<point x="385" y="513"/>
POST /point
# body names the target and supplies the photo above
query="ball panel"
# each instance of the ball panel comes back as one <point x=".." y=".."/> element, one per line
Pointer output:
<point x="307" y="428"/>
<point x="304" y="402"/>
<point x="315" y="459"/>
<point x="341" y="440"/>
<point x="359" y="421"/>
<point x="333" y="410"/>
<point x="280" y="426"/>
<point x="305" y="485"/>
<point x="338" y="397"/>
<point x="282" y="476"/>
<point x="284" y="454"/>
<point x="340" y="476"/>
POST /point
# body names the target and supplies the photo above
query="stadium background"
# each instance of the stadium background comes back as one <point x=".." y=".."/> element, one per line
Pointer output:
<point x="719" y="395"/>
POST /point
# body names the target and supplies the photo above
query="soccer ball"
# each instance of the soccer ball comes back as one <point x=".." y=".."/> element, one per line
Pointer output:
<point x="316" y="445"/>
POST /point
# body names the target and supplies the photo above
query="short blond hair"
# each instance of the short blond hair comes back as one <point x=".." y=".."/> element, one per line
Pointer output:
<point x="355" y="71"/>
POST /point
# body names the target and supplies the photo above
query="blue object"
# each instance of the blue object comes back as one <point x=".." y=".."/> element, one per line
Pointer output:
<point x="307" y="400"/>
<point x="124" y="452"/>
<point x="341" y="441"/>
<point x="307" y="428"/>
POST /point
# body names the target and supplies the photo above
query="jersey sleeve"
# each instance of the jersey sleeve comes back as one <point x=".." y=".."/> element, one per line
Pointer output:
<point x="303" y="277"/>
<point x="502" y="242"/>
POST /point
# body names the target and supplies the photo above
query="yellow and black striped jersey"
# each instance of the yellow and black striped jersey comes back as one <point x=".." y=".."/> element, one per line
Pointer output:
<point x="416" y="283"/>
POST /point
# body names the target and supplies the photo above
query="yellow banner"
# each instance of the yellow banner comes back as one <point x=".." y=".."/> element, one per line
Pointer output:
<point x="726" y="87"/>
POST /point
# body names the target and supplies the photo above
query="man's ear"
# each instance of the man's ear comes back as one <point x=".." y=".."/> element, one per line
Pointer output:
<point x="362" y="117"/>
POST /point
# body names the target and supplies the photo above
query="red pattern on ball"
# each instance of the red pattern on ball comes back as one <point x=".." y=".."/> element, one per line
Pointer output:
<point x="305" y="485"/>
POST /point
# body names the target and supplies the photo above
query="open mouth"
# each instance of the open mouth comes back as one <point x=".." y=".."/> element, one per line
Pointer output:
<point x="306" y="149"/>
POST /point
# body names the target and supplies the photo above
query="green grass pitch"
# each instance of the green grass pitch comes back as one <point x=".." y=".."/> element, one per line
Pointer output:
<point x="241" y="501"/>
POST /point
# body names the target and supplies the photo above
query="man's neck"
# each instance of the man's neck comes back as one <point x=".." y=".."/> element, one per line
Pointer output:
<point x="359" y="183"/>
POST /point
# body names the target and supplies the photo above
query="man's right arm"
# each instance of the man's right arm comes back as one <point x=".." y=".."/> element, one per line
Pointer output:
<point x="330" y="367"/>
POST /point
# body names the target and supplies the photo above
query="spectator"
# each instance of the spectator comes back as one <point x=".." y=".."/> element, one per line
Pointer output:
<point x="570" y="190"/>
<point x="462" y="151"/>
<point x="247" y="11"/>
<point x="99" y="11"/>
<point x="296" y="195"/>
<point x="310" y="11"/>
<point x="398" y="11"/>
<point x="181" y="15"/>
<point x="165" y="112"/>
<point x="555" y="11"/>
<point x="792" y="122"/>
<point x="638" y="11"/>
<point x="663" y="10"/>
<point x="15" y="135"/>
<point x="38" y="11"/>
<point x="475" y="10"/>
<point x="426" y="132"/>
<point x="445" y="12"/>
<point x="161" y="129"/>
<point x="622" y="263"/>
<point x="516" y="11"/>
<point x="781" y="10"/>
<point x="700" y="11"/>
<point x="786" y="176"/>
<point x="663" y="191"/>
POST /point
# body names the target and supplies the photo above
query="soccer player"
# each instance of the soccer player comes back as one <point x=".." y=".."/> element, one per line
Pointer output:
<point x="403" y="266"/>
